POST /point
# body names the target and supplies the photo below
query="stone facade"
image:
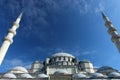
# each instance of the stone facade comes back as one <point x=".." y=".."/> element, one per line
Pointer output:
<point x="61" y="66"/>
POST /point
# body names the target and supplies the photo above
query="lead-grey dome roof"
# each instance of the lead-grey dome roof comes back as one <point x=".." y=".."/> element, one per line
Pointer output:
<point x="114" y="74"/>
<point x="96" y="75"/>
<point x="19" y="69"/>
<point x="25" y="76"/>
<point x="9" y="75"/>
<point x="62" y="54"/>
<point x="60" y="72"/>
<point x="106" y="69"/>
<point x="79" y="75"/>
<point x="42" y="75"/>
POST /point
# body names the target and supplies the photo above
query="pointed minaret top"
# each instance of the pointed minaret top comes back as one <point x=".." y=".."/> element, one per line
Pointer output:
<point x="19" y="18"/>
<point x="7" y="41"/>
<point x="104" y="16"/>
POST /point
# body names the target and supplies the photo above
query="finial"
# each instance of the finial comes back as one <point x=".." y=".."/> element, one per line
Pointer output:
<point x="103" y="15"/>
<point x="19" y="18"/>
<point x="62" y="51"/>
<point x="20" y="15"/>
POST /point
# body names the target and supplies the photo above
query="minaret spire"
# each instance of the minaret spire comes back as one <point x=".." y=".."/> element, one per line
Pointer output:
<point x="104" y="16"/>
<point x="9" y="38"/>
<point x="112" y="31"/>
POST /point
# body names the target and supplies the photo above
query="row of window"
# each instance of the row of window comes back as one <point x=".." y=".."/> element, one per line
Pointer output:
<point x="62" y="59"/>
<point x="62" y="63"/>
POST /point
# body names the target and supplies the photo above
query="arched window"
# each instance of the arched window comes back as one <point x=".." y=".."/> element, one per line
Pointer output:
<point x="59" y="58"/>
<point x="68" y="58"/>
<point x="64" y="63"/>
<point x="64" y="58"/>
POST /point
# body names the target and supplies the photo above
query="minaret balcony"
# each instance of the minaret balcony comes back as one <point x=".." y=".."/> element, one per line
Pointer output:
<point x="12" y="31"/>
<point x="111" y="30"/>
<point x="115" y="38"/>
<point x="16" y="24"/>
<point x="8" y="39"/>
<point x="108" y="24"/>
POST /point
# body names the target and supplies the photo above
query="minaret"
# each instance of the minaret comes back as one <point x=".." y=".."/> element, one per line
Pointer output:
<point x="9" y="38"/>
<point x="112" y="31"/>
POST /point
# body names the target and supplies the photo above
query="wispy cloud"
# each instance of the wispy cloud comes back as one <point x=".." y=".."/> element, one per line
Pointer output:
<point x="9" y="64"/>
<point x="76" y="51"/>
<point x="100" y="7"/>
<point x="88" y="52"/>
<point x="36" y="13"/>
<point x="79" y="53"/>
<point x="83" y="6"/>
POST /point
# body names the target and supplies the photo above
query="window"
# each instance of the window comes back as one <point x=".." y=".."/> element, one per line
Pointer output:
<point x="59" y="58"/>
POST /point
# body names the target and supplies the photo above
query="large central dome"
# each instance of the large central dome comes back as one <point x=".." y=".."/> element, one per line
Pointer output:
<point x="62" y="58"/>
<point x="62" y="54"/>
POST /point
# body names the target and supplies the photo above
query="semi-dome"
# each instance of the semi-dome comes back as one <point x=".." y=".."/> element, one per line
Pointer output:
<point x="19" y="69"/>
<point x="60" y="72"/>
<point x="114" y="74"/>
<point x="25" y="76"/>
<point x="42" y="76"/>
<point x="97" y="75"/>
<point x="62" y="54"/>
<point x="79" y="75"/>
<point x="9" y="75"/>
<point x="106" y="70"/>
<point x="37" y="62"/>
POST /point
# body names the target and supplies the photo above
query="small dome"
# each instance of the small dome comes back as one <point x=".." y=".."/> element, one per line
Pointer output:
<point x="42" y="76"/>
<point x="114" y="74"/>
<point x="97" y="75"/>
<point x="60" y="72"/>
<point x="36" y="62"/>
<point x="105" y="68"/>
<point x="9" y="75"/>
<point x="79" y="75"/>
<point x="25" y="76"/>
<point x="18" y="69"/>
<point x="62" y="54"/>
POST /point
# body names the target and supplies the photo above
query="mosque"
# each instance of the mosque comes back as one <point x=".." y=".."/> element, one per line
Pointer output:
<point x="61" y="65"/>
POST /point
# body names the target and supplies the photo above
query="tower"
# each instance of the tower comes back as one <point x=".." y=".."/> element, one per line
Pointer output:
<point x="115" y="37"/>
<point x="36" y="67"/>
<point x="8" y="40"/>
<point x="86" y="66"/>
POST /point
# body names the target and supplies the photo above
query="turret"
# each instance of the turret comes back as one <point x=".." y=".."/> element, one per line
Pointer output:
<point x="115" y="37"/>
<point x="36" y="67"/>
<point x="8" y="40"/>
<point x="86" y="66"/>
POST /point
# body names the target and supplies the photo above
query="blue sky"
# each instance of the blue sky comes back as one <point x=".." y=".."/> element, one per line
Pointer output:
<point x="51" y="26"/>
